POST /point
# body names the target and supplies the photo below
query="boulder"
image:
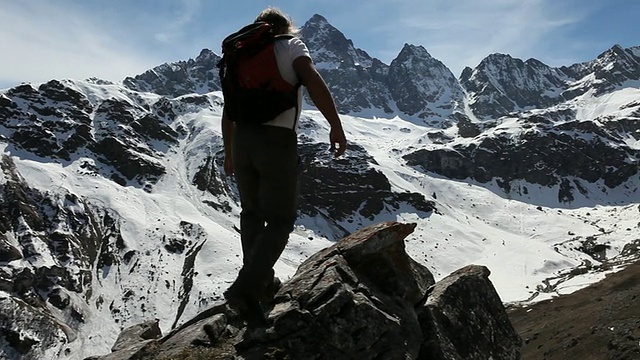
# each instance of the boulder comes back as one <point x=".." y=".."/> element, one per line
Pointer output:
<point x="8" y="252"/>
<point x="463" y="318"/>
<point x="148" y="330"/>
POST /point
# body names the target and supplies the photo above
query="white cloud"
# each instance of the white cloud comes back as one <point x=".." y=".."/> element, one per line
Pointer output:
<point x="175" y="29"/>
<point x="463" y="32"/>
<point x="42" y="41"/>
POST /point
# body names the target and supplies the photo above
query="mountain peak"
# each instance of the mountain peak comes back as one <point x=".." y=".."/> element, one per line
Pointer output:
<point x="498" y="57"/>
<point x="317" y="18"/>
<point x="418" y="50"/>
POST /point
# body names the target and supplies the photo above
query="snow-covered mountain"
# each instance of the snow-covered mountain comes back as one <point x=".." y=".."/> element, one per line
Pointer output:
<point x="114" y="208"/>
<point x="502" y="84"/>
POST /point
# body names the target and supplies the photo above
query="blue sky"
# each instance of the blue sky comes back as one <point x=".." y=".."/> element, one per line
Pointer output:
<point x="44" y="39"/>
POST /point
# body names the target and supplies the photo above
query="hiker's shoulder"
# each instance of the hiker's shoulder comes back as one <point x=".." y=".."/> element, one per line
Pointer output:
<point x="290" y="40"/>
<point x="292" y="46"/>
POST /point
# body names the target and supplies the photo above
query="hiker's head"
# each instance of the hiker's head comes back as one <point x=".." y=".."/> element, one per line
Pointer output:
<point x="279" y="20"/>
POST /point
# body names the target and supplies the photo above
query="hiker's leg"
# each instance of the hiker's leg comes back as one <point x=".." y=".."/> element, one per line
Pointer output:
<point x="278" y="167"/>
<point x="243" y="294"/>
<point x="248" y="182"/>
<point x="251" y="225"/>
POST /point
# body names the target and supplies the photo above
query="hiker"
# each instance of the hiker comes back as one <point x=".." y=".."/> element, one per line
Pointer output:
<point x="260" y="148"/>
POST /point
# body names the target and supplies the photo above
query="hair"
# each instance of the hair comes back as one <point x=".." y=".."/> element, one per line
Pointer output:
<point x="279" y="20"/>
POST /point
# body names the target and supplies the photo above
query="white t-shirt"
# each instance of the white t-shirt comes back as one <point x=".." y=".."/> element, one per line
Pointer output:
<point x="287" y="50"/>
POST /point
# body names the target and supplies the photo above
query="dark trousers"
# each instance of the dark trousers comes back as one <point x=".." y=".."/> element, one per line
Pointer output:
<point x="266" y="170"/>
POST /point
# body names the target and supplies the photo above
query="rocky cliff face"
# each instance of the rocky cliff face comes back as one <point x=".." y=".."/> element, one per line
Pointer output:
<point x="357" y="80"/>
<point x="422" y="85"/>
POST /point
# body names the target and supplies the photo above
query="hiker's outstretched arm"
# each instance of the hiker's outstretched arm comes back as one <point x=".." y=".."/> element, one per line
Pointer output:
<point x="227" y="137"/>
<point x="321" y="97"/>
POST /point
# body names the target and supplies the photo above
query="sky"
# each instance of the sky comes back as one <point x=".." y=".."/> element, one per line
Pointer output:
<point x="77" y="39"/>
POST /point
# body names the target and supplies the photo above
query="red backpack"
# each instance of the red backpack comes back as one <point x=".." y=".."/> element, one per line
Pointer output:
<point x="254" y="91"/>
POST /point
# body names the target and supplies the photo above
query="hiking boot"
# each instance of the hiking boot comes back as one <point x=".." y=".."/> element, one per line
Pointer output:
<point x="266" y="298"/>
<point x="246" y="305"/>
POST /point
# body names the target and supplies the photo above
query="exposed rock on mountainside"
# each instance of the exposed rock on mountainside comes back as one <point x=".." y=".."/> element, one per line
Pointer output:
<point x="46" y="306"/>
<point x="501" y="84"/>
<point x="55" y="120"/>
<point x="609" y="71"/>
<point x="420" y="84"/>
<point x="543" y="153"/>
<point x="326" y="194"/>
<point x="362" y="298"/>
<point x="357" y="81"/>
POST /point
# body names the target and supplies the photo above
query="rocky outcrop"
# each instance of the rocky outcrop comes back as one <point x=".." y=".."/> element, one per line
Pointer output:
<point x="363" y="298"/>
<point x="460" y="319"/>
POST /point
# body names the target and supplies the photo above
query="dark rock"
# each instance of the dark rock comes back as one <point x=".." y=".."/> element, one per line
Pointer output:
<point x="59" y="298"/>
<point x="356" y="80"/>
<point x="339" y="189"/>
<point x="206" y="332"/>
<point x="23" y="280"/>
<point x="417" y="80"/>
<point x="44" y="332"/>
<point x="591" y="154"/>
<point x="463" y="318"/>
<point x="8" y="252"/>
<point x="21" y="343"/>
<point x="501" y="84"/>
<point x="149" y="330"/>
<point x="6" y="280"/>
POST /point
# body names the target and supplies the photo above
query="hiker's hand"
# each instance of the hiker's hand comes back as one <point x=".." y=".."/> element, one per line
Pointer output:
<point x="228" y="165"/>
<point x="338" y="141"/>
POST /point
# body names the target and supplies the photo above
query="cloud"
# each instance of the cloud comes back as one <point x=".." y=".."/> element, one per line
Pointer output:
<point x="461" y="33"/>
<point x="175" y="29"/>
<point x="43" y="41"/>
